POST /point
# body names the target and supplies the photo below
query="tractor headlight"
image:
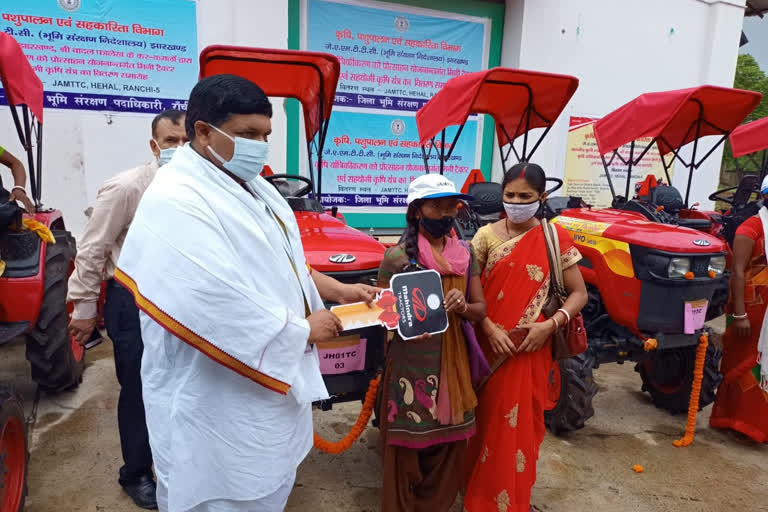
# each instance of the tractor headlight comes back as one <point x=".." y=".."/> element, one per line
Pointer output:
<point x="717" y="265"/>
<point x="678" y="267"/>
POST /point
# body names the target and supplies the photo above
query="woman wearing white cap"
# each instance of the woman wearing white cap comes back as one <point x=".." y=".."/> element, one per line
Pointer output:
<point x="427" y="401"/>
<point x="742" y="399"/>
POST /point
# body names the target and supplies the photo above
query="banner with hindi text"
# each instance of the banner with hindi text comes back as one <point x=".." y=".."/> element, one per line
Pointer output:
<point x="393" y="60"/>
<point x="584" y="172"/>
<point x="108" y="55"/>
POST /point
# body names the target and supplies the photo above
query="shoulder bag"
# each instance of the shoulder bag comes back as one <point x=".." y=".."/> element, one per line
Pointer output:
<point x="570" y="339"/>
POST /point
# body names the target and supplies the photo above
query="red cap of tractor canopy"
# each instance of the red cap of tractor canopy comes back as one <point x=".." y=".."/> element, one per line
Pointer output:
<point x="20" y="82"/>
<point x="502" y="93"/>
<point x="750" y="138"/>
<point x="670" y="117"/>
<point x="309" y="77"/>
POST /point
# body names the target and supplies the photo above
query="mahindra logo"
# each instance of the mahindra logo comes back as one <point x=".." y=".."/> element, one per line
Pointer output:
<point x="342" y="258"/>
<point x="701" y="243"/>
<point x="419" y="305"/>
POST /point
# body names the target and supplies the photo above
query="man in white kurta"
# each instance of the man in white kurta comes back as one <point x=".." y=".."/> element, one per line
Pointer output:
<point x="230" y="314"/>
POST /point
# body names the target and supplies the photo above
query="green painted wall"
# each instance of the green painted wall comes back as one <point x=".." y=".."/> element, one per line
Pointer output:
<point x="479" y="8"/>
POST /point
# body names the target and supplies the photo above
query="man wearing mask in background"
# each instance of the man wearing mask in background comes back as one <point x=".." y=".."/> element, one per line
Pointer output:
<point x="230" y="313"/>
<point x="98" y="251"/>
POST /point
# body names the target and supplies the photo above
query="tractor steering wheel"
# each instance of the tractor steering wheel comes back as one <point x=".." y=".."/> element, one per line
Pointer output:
<point x="558" y="185"/>
<point x="303" y="191"/>
<point x="716" y="196"/>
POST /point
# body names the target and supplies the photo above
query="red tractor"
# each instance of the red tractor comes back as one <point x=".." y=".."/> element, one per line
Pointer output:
<point x="640" y="274"/>
<point x="673" y="120"/>
<point x="33" y="287"/>
<point x="330" y="245"/>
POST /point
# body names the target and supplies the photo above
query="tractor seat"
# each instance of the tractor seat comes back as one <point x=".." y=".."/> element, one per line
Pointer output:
<point x="748" y="185"/>
<point x="486" y="198"/>
<point x="668" y="197"/>
<point x="288" y="188"/>
<point x="10" y="213"/>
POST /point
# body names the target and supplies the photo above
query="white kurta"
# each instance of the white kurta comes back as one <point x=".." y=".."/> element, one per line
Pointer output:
<point x="225" y="335"/>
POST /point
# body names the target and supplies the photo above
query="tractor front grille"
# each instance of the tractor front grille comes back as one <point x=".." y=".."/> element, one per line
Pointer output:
<point x="356" y="276"/>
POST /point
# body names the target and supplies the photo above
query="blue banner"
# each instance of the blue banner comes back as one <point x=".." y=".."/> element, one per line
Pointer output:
<point x="108" y="55"/>
<point x="392" y="63"/>
<point x="369" y="160"/>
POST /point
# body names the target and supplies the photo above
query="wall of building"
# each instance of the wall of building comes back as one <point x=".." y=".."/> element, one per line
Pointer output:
<point x="82" y="149"/>
<point x="619" y="52"/>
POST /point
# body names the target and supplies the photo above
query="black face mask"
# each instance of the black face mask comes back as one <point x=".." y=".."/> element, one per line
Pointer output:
<point x="437" y="228"/>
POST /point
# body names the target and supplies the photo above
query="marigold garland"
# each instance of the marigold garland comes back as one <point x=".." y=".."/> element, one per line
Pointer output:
<point x="693" y="404"/>
<point x="650" y="344"/>
<point x="357" y="429"/>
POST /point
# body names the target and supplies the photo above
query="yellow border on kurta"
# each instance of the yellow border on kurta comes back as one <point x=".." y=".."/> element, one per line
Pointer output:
<point x="186" y="335"/>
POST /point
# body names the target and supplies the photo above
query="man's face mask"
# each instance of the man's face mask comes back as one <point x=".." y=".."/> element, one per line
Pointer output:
<point x="248" y="158"/>
<point x="165" y="154"/>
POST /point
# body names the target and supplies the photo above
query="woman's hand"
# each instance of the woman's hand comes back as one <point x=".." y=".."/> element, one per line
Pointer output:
<point x="743" y="327"/>
<point x="421" y="338"/>
<point x="17" y="194"/>
<point x="500" y="342"/>
<point x="454" y="302"/>
<point x="538" y="336"/>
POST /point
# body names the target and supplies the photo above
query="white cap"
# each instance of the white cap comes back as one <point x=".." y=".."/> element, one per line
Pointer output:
<point x="433" y="186"/>
<point x="764" y="186"/>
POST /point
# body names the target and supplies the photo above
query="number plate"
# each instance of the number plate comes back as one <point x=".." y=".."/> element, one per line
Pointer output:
<point x="343" y="355"/>
<point x="695" y="314"/>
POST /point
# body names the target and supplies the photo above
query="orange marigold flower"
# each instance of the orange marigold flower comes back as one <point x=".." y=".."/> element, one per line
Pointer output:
<point x="689" y="276"/>
<point x="638" y="468"/>
<point x="693" y="404"/>
<point x="357" y="429"/>
<point x="712" y="274"/>
<point x="650" y="344"/>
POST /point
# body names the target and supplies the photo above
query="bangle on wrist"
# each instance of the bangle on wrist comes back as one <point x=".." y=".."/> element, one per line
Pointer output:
<point x="466" y="307"/>
<point x="554" y="320"/>
<point x="567" y="315"/>
<point x="739" y="317"/>
<point x="17" y="187"/>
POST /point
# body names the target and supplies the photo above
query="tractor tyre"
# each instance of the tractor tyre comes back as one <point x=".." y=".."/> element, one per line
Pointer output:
<point x="13" y="452"/>
<point x="668" y="377"/>
<point x="569" y="395"/>
<point x="57" y="360"/>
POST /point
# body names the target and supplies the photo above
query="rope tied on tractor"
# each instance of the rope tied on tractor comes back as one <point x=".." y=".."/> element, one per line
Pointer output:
<point x="693" y="404"/>
<point x="359" y="426"/>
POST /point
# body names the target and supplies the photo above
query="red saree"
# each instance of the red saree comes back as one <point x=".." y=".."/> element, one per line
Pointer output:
<point x="501" y="458"/>
<point x="740" y="404"/>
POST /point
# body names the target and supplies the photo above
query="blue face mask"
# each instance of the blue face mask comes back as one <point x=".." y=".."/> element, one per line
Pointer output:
<point x="248" y="158"/>
<point x="165" y="156"/>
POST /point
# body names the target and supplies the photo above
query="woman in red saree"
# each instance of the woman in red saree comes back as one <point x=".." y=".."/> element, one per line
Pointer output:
<point x="742" y="399"/>
<point x="512" y="254"/>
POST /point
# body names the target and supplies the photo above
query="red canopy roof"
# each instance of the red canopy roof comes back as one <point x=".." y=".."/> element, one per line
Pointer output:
<point x="670" y="117"/>
<point x="21" y="84"/>
<point x="750" y="138"/>
<point x="504" y="94"/>
<point x="308" y="77"/>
